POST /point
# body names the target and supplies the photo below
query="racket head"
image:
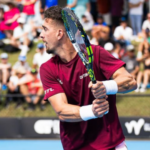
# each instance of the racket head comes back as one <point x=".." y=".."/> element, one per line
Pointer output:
<point x="77" y="35"/>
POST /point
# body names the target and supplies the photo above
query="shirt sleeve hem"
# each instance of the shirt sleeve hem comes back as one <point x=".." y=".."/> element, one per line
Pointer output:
<point x="49" y="95"/>
<point x="116" y="68"/>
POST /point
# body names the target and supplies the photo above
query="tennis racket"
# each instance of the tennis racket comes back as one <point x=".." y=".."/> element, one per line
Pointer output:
<point x="79" y="40"/>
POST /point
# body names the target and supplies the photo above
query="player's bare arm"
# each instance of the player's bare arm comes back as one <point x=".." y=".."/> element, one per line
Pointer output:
<point x="125" y="83"/>
<point x="71" y="113"/>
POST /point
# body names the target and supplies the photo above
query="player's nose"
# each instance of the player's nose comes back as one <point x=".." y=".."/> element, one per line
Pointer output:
<point x="41" y="35"/>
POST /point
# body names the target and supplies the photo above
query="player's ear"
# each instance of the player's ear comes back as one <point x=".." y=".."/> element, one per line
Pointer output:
<point x="60" y="34"/>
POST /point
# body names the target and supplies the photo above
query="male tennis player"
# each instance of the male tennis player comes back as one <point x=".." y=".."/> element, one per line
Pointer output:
<point x="83" y="123"/>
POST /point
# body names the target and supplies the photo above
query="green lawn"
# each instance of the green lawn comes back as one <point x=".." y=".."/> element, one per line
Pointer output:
<point x="127" y="106"/>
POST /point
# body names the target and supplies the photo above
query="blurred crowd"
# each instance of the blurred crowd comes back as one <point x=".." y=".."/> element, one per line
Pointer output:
<point x="122" y="27"/>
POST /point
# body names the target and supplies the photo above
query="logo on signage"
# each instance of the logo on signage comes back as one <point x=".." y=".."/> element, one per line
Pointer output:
<point x="135" y="125"/>
<point x="47" y="127"/>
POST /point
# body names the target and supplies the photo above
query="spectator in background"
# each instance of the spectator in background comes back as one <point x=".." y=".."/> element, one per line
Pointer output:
<point x="145" y="42"/>
<point x="132" y="66"/>
<point x="36" y="25"/>
<point x="105" y="36"/>
<point x="10" y="17"/>
<point x="100" y="21"/>
<point x="41" y="56"/>
<point x="87" y="22"/>
<point x="81" y="6"/>
<point x="146" y="74"/>
<point x="95" y="35"/>
<point x="5" y="69"/>
<point x="69" y="2"/>
<point x="22" y="36"/>
<point x="123" y="33"/>
<point x="28" y="8"/>
<point x="50" y="3"/>
<point x="135" y="14"/>
<point x="120" y="52"/>
<point x="21" y="63"/>
<point x="146" y="23"/>
<point x="116" y="12"/>
<point x="104" y="7"/>
<point x="32" y="86"/>
<point x="110" y="48"/>
<point x="13" y="87"/>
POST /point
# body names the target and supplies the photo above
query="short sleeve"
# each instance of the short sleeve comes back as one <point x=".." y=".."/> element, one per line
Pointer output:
<point x="108" y="63"/>
<point x="116" y="33"/>
<point x="144" y="26"/>
<point x="50" y="84"/>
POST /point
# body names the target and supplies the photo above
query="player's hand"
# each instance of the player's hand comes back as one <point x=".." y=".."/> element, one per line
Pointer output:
<point x="98" y="89"/>
<point x="100" y="107"/>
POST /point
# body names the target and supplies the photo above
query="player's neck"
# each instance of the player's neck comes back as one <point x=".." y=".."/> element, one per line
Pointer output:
<point x="66" y="52"/>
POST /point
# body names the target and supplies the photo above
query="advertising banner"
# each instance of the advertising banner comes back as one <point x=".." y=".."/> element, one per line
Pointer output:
<point x="133" y="127"/>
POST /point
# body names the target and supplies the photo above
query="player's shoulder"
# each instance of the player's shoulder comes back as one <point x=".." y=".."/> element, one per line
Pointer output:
<point x="96" y="48"/>
<point x="51" y="63"/>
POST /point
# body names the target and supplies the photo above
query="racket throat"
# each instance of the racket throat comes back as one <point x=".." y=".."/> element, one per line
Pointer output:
<point x="77" y="48"/>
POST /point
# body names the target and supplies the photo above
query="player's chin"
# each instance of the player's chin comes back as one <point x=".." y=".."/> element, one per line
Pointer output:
<point x="50" y="51"/>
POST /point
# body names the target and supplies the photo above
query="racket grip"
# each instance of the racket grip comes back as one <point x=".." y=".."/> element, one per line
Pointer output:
<point x="94" y="82"/>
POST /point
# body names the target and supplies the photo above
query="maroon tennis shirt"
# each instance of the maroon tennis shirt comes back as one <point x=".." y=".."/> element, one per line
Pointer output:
<point x="72" y="79"/>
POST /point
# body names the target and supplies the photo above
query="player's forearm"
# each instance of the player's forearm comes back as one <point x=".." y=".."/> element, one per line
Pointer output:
<point x="126" y="83"/>
<point x="69" y="113"/>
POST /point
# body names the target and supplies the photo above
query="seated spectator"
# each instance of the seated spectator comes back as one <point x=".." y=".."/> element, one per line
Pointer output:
<point x="10" y="17"/>
<point x="21" y="62"/>
<point x="146" y="23"/>
<point x="145" y="42"/>
<point x="94" y="36"/>
<point x="100" y="21"/>
<point x="105" y="36"/>
<point x="22" y="36"/>
<point x="120" y="52"/>
<point x="13" y="87"/>
<point x="123" y="33"/>
<point x="36" y="25"/>
<point x="32" y="87"/>
<point x="132" y="66"/>
<point x="5" y="69"/>
<point x="87" y="22"/>
<point x="41" y="56"/>
<point x="146" y="74"/>
<point x="28" y="9"/>
<point x="110" y="48"/>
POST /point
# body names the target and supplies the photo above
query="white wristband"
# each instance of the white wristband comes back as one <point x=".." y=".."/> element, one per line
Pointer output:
<point x="111" y="87"/>
<point x="86" y="113"/>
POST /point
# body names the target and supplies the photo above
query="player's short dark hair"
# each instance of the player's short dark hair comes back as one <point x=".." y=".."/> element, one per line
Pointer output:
<point x="54" y="13"/>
